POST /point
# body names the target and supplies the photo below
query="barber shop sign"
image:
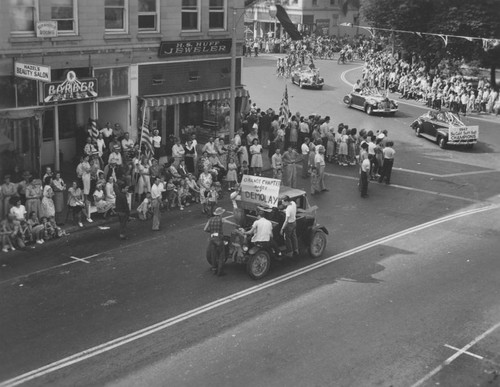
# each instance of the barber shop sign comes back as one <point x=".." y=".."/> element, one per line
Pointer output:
<point x="70" y="90"/>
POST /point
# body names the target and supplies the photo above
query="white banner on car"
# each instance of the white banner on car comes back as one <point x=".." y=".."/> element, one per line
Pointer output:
<point x="463" y="133"/>
<point x="261" y="190"/>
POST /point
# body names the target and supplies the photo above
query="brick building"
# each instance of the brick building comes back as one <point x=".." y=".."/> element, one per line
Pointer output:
<point x="63" y="62"/>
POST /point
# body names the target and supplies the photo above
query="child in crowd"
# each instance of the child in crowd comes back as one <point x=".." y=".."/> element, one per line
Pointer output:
<point x="232" y="174"/>
<point x="194" y="190"/>
<point x="36" y="229"/>
<point x="144" y="209"/>
<point x="244" y="170"/>
<point x="171" y="193"/>
<point x="181" y="195"/>
<point x="314" y="181"/>
<point x="212" y="197"/>
<point x="5" y="235"/>
<point x="59" y="232"/>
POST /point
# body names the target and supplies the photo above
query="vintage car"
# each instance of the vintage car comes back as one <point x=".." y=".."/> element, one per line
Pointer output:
<point x="311" y="236"/>
<point x="445" y="128"/>
<point x="371" y="101"/>
<point x="304" y="76"/>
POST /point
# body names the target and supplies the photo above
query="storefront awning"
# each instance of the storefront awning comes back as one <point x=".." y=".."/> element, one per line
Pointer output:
<point x="193" y="97"/>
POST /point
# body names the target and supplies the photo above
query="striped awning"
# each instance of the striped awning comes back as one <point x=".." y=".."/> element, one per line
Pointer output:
<point x="193" y="97"/>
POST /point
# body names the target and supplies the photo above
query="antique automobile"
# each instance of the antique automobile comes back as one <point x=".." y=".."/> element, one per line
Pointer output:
<point x="304" y="76"/>
<point x="445" y="128"/>
<point x="371" y="101"/>
<point x="257" y="258"/>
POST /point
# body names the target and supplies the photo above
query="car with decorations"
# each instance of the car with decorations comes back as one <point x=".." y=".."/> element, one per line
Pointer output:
<point x="257" y="257"/>
<point x="306" y="76"/>
<point x="445" y="129"/>
<point x="371" y="101"/>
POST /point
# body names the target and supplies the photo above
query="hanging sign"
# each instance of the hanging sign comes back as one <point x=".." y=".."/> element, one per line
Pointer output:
<point x="194" y="47"/>
<point x="31" y="71"/>
<point x="46" y="29"/>
<point x="261" y="190"/>
<point x="71" y="89"/>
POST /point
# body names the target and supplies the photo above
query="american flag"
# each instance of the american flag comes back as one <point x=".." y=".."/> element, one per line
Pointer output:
<point x="146" y="141"/>
<point x="284" y="109"/>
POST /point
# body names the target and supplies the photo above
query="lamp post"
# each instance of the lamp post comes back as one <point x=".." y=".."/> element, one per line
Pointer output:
<point x="232" y="116"/>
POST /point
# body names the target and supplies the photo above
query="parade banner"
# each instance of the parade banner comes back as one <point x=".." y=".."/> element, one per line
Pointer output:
<point x="261" y="190"/>
<point x="459" y="134"/>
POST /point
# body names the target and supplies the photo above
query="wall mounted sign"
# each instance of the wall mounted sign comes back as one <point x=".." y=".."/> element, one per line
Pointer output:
<point x="71" y="89"/>
<point x="194" y="47"/>
<point x="31" y="71"/>
<point x="46" y="29"/>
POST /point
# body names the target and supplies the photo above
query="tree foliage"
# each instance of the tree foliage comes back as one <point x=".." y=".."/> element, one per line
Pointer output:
<point x="478" y="18"/>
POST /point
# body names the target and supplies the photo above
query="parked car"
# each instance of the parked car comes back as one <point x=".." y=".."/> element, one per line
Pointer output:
<point x="445" y="128"/>
<point x="257" y="258"/>
<point x="305" y="76"/>
<point x="371" y="101"/>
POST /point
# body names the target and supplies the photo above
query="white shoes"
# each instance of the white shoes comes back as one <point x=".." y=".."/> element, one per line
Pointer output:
<point x="80" y="224"/>
<point x="89" y="220"/>
<point x="40" y="241"/>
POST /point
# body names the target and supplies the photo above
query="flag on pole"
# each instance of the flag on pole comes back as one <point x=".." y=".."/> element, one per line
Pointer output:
<point x="93" y="131"/>
<point x="145" y="135"/>
<point x="284" y="108"/>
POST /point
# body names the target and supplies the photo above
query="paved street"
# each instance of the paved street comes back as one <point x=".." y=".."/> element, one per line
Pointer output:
<point x="405" y="295"/>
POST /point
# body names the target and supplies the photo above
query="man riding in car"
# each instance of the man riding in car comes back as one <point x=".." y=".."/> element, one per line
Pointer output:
<point x="262" y="230"/>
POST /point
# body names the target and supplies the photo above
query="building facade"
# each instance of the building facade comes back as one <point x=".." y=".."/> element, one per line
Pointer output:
<point x="319" y="17"/>
<point x="64" y="62"/>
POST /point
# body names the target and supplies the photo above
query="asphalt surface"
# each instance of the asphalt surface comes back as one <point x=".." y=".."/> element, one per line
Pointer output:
<point x="376" y="313"/>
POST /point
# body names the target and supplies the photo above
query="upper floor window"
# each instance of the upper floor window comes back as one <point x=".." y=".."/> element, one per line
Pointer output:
<point x="148" y="15"/>
<point x="115" y="14"/>
<point x="217" y="15"/>
<point x="190" y="15"/>
<point x="314" y="2"/>
<point x="64" y="13"/>
<point x="23" y="16"/>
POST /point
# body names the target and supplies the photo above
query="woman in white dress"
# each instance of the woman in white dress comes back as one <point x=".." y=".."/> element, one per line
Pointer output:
<point x="102" y="206"/>
<point x="256" y="153"/>
<point x="144" y="180"/>
<point x="48" y="208"/>
<point x="110" y="192"/>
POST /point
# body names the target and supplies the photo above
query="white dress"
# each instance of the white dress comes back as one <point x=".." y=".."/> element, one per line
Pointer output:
<point x="256" y="152"/>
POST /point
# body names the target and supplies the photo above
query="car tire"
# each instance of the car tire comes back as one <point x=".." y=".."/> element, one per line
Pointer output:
<point x="441" y="142"/>
<point x="417" y="131"/>
<point x="317" y="245"/>
<point x="300" y="84"/>
<point x="258" y="264"/>
<point x="369" y="110"/>
<point x="320" y="87"/>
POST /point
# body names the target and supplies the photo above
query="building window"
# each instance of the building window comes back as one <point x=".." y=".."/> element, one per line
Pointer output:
<point x="63" y="12"/>
<point x="217" y="15"/>
<point x="115" y="13"/>
<point x="23" y="16"/>
<point x="315" y="2"/>
<point x="148" y="15"/>
<point x="190" y="15"/>
<point x="112" y="82"/>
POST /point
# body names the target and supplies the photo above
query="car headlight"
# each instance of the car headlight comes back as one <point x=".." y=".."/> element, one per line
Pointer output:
<point x="245" y="248"/>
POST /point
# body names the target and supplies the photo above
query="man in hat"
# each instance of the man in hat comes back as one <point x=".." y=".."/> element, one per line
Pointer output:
<point x="319" y="163"/>
<point x="115" y="156"/>
<point x="262" y="230"/>
<point x="215" y="247"/>
<point x="289" y="228"/>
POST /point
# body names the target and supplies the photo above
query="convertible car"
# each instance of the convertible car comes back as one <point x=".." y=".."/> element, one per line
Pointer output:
<point x="445" y="128"/>
<point x="371" y="101"/>
<point x="304" y="76"/>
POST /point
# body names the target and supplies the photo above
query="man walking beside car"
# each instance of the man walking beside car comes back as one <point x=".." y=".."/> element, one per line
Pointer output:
<point x="389" y="153"/>
<point x="289" y="228"/>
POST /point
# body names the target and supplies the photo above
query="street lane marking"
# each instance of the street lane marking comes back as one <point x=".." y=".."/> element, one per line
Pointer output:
<point x="80" y="259"/>
<point x="120" y="341"/>
<point x="454" y="356"/>
<point x="458" y="174"/>
<point x="466" y="352"/>
<point x="414" y="189"/>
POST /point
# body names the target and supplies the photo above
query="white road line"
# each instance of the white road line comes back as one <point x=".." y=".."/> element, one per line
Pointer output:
<point x="120" y="341"/>
<point x="79" y="259"/>
<point x="458" y="174"/>
<point x="454" y="356"/>
<point x="466" y="352"/>
<point x="436" y="193"/>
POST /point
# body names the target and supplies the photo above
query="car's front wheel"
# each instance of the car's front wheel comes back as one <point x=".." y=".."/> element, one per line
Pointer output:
<point x="258" y="264"/>
<point x="441" y="142"/>
<point x="300" y="84"/>
<point x="417" y="131"/>
<point x="369" y="110"/>
<point x="318" y="244"/>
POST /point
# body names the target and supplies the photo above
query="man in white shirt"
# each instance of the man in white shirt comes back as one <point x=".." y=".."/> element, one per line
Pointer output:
<point x="107" y="133"/>
<point x="262" y="228"/>
<point x="115" y="157"/>
<point x="156" y="191"/>
<point x="365" y="170"/>
<point x="319" y="162"/>
<point x="156" y="140"/>
<point x="288" y="230"/>
<point x="18" y="211"/>
<point x="127" y="143"/>
<point x="178" y="151"/>
<point x="304" y="150"/>
<point x="323" y="130"/>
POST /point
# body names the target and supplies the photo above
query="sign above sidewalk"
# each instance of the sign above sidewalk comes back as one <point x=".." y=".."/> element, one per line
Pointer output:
<point x="194" y="47"/>
<point x="70" y="90"/>
<point x="31" y="71"/>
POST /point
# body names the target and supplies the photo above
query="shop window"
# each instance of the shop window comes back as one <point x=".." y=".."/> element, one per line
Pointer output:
<point x="115" y="15"/>
<point x="190" y="18"/>
<point x="67" y="123"/>
<point x="112" y="82"/>
<point x="148" y="15"/>
<point x="64" y="13"/>
<point x="23" y="16"/>
<point x="217" y="15"/>
<point x="17" y="92"/>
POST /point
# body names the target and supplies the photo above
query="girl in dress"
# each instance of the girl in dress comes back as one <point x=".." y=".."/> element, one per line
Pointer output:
<point x="83" y="172"/>
<point x="33" y="196"/>
<point x="189" y="155"/>
<point x="76" y="202"/>
<point x="330" y="146"/>
<point x="256" y="153"/>
<point x="232" y="174"/>
<point x="343" y="148"/>
<point x="205" y="182"/>
<point x="47" y="206"/>
<point x="103" y="207"/>
<point x="58" y="187"/>
<point x="109" y="194"/>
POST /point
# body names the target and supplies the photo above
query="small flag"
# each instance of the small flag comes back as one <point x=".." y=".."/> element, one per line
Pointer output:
<point x="284" y="108"/>
<point x="146" y="141"/>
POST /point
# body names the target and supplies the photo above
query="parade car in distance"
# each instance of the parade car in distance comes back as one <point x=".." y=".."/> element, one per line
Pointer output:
<point x="371" y="101"/>
<point x="445" y="128"/>
<point x="305" y="76"/>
